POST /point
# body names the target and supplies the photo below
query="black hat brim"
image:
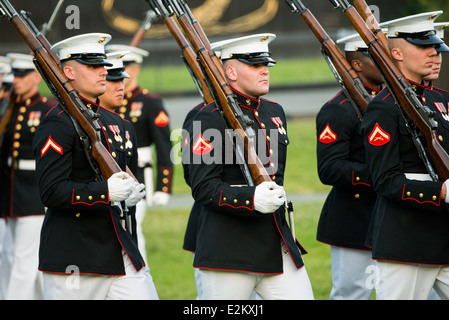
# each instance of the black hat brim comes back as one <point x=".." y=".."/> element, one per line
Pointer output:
<point x="95" y="62"/>
<point x="21" y="72"/>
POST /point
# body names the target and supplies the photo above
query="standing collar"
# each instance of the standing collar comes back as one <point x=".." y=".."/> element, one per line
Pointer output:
<point x="245" y="101"/>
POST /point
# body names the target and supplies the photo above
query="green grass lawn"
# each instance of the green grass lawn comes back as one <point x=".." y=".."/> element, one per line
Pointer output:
<point x="171" y="267"/>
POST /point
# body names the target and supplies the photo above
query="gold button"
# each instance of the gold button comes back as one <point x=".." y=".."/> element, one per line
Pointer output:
<point x="102" y="196"/>
<point x="421" y="195"/>
<point x="78" y="197"/>
<point x="15" y="153"/>
<point x="121" y="147"/>
<point x="224" y="198"/>
<point x="268" y="138"/>
<point x="16" y="144"/>
<point x="18" y="127"/>
<point x="440" y="137"/>
<point x="273" y="178"/>
<point x="256" y="113"/>
<point x="124" y="103"/>
<point x="113" y="154"/>
<point x="408" y="193"/>
<point x="165" y="172"/>
<point x="356" y="196"/>
<point x="235" y="200"/>
<point x="165" y="189"/>
<point x="247" y="202"/>
<point x="16" y="135"/>
<point x="22" y="109"/>
<point x="90" y="198"/>
<point x="165" y="180"/>
<point x="110" y="140"/>
<point x="77" y="215"/>
<point x="434" y="197"/>
<point x="357" y="178"/>
<point x="20" y="118"/>
<point x="262" y="125"/>
<point x="28" y="102"/>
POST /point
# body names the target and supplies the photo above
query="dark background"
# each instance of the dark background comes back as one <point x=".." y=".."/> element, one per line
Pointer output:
<point x="120" y="18"/>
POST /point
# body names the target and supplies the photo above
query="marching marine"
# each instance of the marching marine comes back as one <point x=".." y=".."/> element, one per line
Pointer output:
<point x="243" y="242"/>
<point x="21" y="204"/>
<point x="83" y="231"/>
<point x="341" y="163"/>
<point x="408" y="235"/>
<point x="147" y="114"/>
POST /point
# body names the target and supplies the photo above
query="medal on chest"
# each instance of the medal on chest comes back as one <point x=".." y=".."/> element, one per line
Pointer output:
<point x="116" y="131"/>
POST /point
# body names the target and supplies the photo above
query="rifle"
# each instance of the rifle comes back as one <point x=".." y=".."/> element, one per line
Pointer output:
<point x="421" y="117"/>
<point x="144" y="26"/>
<point x="225" y="97"/>
<point x="187" y="53"/>
<point x="7" y="104"/>
<point x="346" y="76"/>
<point x="58" y="83"/>
<point x="46" y="27"/>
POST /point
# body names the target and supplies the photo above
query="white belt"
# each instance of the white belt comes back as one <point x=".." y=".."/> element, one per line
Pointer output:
<point x="418" y="176"/>
<point x="21" y="164"/>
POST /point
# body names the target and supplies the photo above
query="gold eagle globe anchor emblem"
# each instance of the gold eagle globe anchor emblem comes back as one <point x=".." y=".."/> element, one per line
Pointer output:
<point x="209" y="14"/>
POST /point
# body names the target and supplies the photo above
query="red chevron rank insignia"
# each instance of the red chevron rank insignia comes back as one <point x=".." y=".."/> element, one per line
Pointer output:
<point x="327" y="135"/>
<point x="162" y="119"/>
<point x="378" y="136"/>
<point x="51" y="144"/>
<point x="202" y="146"/>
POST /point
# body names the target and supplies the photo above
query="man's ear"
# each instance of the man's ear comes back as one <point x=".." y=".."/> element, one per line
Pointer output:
<point x="231" y="72"/>
<point x="69" y="72"/>
<point x="396" y="54"/>
<point x="356" y="65"/>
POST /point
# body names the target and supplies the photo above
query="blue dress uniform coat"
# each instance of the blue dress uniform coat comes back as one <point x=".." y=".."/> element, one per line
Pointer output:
<point x="147" y="114"/>
<point x="192" y="223"/>
<point x="346" y="213"/>
<point x="81" y="228"/>
<point x="410" y="217"/>
<point x="21" y="197"/>
<point x="231" y="235"/>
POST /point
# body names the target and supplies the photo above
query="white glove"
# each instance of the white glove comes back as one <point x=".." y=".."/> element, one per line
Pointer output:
<point x="160" y="198"/>
<point x="447" y="191"/>
<point x="120" y="186"/>
<point x="268" y="197"/>
<point x="136" y="195"/>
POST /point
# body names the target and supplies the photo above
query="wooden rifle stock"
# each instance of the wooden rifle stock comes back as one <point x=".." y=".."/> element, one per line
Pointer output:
<point x="66" y="94"/>
<point x="403" y="92"/>
<point x="367" y="15"/>
<point x="348" y="76"/>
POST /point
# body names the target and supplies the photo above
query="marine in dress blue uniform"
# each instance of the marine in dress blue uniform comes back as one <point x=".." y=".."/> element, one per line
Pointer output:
<point x="83" y="231"/>
<point x="151" y="121"/>
<point x="236" y="245"/>
<point x="408" y="237"/>
<point x="346" y="213"/>
<point x="23" y="209"/>
<point x="21" y="204"/>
